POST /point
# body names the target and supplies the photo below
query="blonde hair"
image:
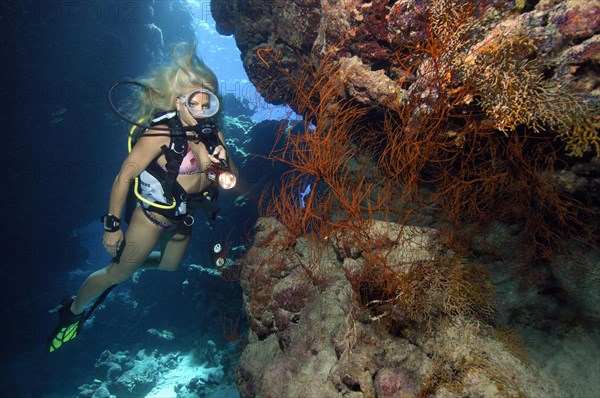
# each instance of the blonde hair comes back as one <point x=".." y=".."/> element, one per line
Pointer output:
<point x="164" y="84"/>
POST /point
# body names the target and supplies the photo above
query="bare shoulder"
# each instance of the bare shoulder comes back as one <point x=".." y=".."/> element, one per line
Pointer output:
<point x="153" y="137"/>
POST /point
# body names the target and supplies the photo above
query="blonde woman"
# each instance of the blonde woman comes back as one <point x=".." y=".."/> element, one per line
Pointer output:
<point x="172" y="165"/>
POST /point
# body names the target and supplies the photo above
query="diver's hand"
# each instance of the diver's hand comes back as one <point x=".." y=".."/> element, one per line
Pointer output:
<point x="218" y="154"/>
<point x="113" y="241"/>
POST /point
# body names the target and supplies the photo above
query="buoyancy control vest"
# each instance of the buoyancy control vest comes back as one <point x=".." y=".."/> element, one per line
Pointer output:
<point x="157" y="189"/>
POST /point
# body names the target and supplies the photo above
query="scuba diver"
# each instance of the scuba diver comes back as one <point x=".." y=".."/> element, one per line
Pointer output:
<point x="176" y="162"/>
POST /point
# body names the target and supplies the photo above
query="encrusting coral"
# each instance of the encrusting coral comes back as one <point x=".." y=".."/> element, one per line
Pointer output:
<point x="468" y="143"/>
<point x="477" y="123"/>
<point x="471" y="133"/>
<point x="310" y="339"/>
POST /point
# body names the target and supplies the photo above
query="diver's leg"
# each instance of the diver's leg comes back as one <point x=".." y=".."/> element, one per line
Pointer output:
<point x="153" y="260"/>
<point x="176" y="242"/>
<point x="174" y="248"/>
<point x="140" y="239"/>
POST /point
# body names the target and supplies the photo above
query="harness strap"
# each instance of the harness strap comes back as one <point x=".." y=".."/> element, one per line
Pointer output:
<point x="174" y="155"/>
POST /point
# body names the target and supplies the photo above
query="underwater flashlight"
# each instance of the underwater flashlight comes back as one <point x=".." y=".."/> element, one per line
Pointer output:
<point x="227" y="180"/>
<point x="220" y="173"/>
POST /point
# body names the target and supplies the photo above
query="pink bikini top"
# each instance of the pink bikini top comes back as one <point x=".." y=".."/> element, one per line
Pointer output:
<point x="189" y="164"/>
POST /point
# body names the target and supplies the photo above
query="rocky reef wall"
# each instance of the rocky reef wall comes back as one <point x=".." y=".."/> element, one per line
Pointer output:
<point x="368" y="34"/>
<point x="308" y="337"/>
<point x="491" y="105"/>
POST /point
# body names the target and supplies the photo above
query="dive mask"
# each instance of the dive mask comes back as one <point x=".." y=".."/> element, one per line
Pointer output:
<point x="201" y="103"/>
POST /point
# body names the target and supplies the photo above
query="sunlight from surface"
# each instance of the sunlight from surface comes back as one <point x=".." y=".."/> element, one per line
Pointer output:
<point x="222" y="55"/>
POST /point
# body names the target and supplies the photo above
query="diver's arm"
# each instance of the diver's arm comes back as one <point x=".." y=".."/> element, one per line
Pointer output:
<point x="222" y="153"/>
<point x="142" y="154"/>
<point x="120" y="190"/>
<point x="200" y="149"/>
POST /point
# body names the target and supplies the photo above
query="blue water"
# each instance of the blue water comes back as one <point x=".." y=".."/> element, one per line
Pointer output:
<point x="62" y="149"/>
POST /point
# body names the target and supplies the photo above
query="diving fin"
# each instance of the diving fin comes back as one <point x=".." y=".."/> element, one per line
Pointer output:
<point x="69" y="325"/>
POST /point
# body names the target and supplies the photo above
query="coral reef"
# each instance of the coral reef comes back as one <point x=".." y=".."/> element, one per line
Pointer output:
<point x="153" y="374"/>
<point x="429" y="128"/>
<point x="153" y="355"/>
<point x="324" y="345"/>
<point x="554" y="60"/>
<point x="164" y="334"/>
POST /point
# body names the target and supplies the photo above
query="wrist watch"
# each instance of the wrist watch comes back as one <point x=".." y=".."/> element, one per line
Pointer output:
<point x="110" y="223"/>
